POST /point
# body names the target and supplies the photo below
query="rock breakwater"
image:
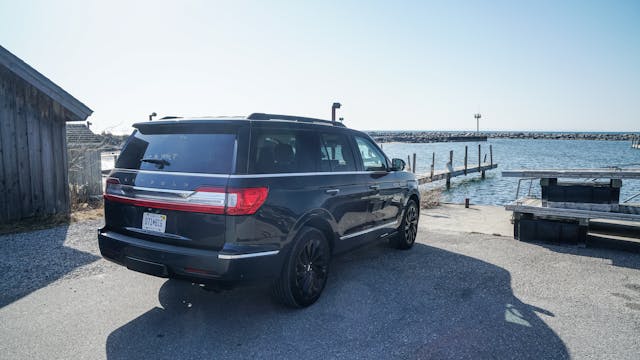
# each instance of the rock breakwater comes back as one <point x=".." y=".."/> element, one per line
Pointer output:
<point x="453" y="136"/>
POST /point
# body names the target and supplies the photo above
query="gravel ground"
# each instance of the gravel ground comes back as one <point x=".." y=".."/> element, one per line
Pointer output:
<point x="32" y="260"/>
<point x="454" y="295"/>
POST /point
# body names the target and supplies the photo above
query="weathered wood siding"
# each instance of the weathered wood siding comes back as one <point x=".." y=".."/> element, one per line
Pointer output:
<point x="33" y="157"/>
<point x="85" y="175"/>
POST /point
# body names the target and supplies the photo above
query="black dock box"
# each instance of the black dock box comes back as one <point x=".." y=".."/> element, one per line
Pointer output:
<point x="581" y="192"/>
<point x="554" y="231"/>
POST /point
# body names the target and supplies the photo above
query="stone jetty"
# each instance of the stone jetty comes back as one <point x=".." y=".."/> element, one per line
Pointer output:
<point x="454" y="136"/>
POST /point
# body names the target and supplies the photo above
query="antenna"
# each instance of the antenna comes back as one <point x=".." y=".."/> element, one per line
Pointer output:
<point x="336" y="105"/>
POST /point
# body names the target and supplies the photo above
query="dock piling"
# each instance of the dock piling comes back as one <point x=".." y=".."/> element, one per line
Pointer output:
<point x="414" y="163"/>
<point x="491" y="154"/>
<point x="465" y="159"/>
<point x="479" y="157"/>
<point x="433" y="163"/>
<point x="449" y="169"/>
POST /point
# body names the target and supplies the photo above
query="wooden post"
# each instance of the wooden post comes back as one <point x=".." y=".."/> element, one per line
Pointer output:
<point x="433" y="161"/>
<point x="449" y="169"/>
<point x="491" y="154"/>
<point x="409" y="162"/>
<point x="479" y="156"/>
<point x="465" y="159"/>
<point x="414" y="163"/>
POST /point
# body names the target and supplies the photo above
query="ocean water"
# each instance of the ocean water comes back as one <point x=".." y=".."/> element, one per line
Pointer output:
<point x="512" y="154"/>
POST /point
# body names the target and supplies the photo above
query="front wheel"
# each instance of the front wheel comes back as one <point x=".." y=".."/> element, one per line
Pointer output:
<point x="408" y="229"/>
<point x="305" y="272"/>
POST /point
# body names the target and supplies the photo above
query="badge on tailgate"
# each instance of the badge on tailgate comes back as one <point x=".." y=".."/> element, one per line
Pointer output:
<point x="154" y="222"/>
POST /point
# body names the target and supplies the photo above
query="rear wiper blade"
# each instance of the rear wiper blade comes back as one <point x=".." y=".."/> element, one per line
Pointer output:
<point x="160" y="162"/>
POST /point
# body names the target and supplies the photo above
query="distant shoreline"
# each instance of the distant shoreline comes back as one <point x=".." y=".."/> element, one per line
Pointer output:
<point x="456" y="136"/>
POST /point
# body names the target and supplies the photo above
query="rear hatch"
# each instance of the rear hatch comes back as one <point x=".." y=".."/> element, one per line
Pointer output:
<point x="170" y="183"/>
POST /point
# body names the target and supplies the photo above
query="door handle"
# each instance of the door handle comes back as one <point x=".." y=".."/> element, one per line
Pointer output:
<point x="374" y="187"/>
<point x="332" y="191"/>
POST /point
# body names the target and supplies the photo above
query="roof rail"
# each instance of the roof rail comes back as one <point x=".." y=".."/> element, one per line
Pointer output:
<point x="263" y="116"/>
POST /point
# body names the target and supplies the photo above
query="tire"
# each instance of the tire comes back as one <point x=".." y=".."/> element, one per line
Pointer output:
<point x="408" y="229"/>
<point x="305" y="272"/>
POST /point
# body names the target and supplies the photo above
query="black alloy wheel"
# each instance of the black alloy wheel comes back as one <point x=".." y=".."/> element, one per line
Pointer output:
<point x="305" y="273"/>
<point x="408" y="229"/>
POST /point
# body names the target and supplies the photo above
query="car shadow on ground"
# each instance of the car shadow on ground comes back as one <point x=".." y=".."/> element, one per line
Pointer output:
<point x="379" y="303"/>
<point x="32" y="260"/>
<point x="619" y="253"/>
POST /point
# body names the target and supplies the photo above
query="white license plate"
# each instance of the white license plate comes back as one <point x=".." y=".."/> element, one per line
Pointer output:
<point x="154" y="222"/>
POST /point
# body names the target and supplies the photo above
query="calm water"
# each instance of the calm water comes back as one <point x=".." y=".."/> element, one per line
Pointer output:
<point x="513" y="154"/>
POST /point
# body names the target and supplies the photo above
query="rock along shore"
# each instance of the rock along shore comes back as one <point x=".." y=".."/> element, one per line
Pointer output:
<point x="452" y="136"/>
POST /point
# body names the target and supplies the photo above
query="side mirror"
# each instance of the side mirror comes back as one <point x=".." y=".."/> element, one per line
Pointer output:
<point x="397" y="164"/>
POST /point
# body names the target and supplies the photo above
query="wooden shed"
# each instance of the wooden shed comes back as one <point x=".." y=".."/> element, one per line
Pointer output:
<point x="33" y="148"/>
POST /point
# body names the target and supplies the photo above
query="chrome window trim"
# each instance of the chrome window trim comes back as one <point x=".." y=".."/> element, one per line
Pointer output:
<point x="317" y="173"/>
<point x="391" y="224"/>
<point x="245" y="256"/>
<point x="250" y="176"/>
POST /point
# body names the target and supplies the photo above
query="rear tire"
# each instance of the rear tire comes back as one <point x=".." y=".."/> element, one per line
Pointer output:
<point x="305" y="272"/>
<point x="408" y="229"/>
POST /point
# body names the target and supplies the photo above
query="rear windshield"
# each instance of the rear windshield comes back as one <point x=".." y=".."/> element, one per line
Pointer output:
<point x="211" y="153"/>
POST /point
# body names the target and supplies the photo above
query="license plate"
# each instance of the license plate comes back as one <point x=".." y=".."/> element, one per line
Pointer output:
<point x="154" y="222"/>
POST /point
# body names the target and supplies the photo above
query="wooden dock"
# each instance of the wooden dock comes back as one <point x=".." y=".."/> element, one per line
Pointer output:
<point x="458" y="171"/>
<point x="450" y="171"/>
<point x="565" y="210"/>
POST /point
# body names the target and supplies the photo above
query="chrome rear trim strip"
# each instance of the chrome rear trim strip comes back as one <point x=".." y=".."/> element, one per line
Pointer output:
<point x="132" y="171"/>
<point x="244" y="256"/>
<point x="383" y="226"/>
<point x="183" y="193"/>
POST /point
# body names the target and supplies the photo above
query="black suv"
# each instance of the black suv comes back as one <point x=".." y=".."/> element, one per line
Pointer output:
<point x="218" y="201"/>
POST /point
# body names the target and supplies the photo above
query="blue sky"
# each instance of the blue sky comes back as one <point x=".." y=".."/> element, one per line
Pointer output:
<point x="525" y="65"/>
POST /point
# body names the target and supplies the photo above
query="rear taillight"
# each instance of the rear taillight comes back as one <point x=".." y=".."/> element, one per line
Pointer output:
<point x="245" y="201"/>
<point x="113" y="187"/>
<point x="206" y="199"/>
<point x="238" y="201"/>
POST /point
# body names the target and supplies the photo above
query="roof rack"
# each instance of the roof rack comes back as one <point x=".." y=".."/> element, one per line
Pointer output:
<point x="263" y="116"/>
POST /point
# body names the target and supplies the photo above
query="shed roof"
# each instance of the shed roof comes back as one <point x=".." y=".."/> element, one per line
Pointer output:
<point x="80" y="134"/>
<point x="42" y="83"/>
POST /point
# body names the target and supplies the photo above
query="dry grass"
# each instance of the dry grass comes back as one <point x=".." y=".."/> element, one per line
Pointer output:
<point x="430" y="198"/>
<point x="79" y="212"/>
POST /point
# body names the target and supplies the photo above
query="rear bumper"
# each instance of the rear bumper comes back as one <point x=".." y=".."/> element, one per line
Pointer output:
<point x="196" y="265"/>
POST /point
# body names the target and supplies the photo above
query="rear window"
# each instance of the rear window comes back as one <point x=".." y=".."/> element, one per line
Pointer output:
<point x="283" y="151"/>
<point x="211" y="153"/>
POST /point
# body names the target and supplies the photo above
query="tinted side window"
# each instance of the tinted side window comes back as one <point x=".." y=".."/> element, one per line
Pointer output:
<point x="198" y="153"/>
<point x="372" y="158"/>
<point x="283" y="151"/>
<point x="336" y="154"/>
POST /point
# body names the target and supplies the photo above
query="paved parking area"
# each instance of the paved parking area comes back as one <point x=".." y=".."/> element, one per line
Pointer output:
<point x="455" y="295"/>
